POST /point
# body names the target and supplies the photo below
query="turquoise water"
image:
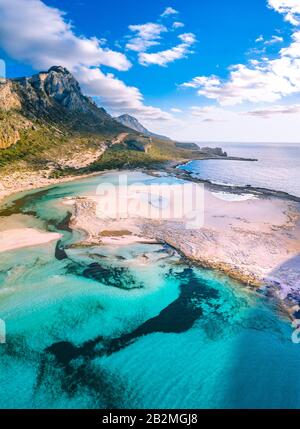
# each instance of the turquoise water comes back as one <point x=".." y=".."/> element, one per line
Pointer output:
<point x="134" y="326"/>
<point x="277" y="167"/>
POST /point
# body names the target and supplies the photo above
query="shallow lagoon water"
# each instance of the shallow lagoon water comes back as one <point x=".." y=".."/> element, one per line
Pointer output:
<point x="134" y="326"/>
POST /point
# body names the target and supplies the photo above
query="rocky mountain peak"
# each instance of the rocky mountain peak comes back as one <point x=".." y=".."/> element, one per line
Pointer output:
<point x="131" y="122"/>
<point x="57" y="86"/>
<point x="51" y="98"/>
<point x="59" y="69"/>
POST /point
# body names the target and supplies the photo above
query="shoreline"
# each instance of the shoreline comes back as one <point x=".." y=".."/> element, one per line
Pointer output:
<point x="13" y="239"/>
<point x="237" y="238"/>
<point x="193" y="251"/>
<point x="45" y="184"/>
<point x="36" y="181"/>
<point x="172" y="169"/>
<point x="27" y="187"/>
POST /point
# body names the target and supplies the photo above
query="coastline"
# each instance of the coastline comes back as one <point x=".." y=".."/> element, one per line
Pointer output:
<point x="23" y="181"/>
<point x="27" y="181"/>
<point x="127" y="233"/>
<point x="13" y="239"/>
<point x="237" y="239"/>
<point x="38" y="181"/>
<point x="172" y="169"/>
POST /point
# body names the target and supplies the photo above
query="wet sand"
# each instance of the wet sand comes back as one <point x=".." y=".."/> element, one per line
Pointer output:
<point x="255" y="240"/>
<point x="25" y="237"/>
<point x="251" y="234"/>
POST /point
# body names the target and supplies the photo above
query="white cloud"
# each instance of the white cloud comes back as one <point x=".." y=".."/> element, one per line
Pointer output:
<point x="146" y="35"/>
<point x="169" y="11"/>
<point x="114" y="93"/>
<point x="175" y="110"/>
<point x="167" y="56"/>
<point x="273" y="40"/>
<point x="217" y="114"/>
<point x="216" y="124"/>
<point x="220" y="114"/>
<point x="188" y="38"/>
<point x="289" y="8"/>
<point x="293" y="50"/>
<point x="212" y="113"/>
<point x="268" y="112"/>
<point x="262" y="80"/>
<point x="40" y="36"/>
<point x="211" y="82"/>
<point x="177" y="24"/>
<point x="259" y="39"/>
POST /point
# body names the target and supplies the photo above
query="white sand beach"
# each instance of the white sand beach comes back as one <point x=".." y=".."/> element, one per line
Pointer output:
<point x="253" y="240"/>
<point x="24" y="237"/>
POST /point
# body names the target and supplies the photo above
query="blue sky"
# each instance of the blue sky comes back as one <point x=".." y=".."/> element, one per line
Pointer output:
<point x="196" y="70"/>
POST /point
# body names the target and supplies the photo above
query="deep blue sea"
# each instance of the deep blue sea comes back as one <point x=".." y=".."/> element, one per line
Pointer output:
<point x="96" y="328"/>
<point x="277" y="168"/>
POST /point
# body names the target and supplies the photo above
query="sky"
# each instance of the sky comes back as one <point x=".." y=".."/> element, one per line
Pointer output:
<point x="194" y="70"/>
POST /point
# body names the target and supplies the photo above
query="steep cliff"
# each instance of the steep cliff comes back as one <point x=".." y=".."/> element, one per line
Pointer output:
<point x="55" y="97"/>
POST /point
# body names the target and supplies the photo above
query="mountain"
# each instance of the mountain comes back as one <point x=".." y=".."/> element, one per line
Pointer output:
<point x="48" y="125"/>
<point x="131" y="122"/>
<point x="54" y="97"/>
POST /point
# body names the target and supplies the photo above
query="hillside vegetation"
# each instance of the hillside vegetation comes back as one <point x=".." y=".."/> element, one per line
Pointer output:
<point x="47" y="123"/>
